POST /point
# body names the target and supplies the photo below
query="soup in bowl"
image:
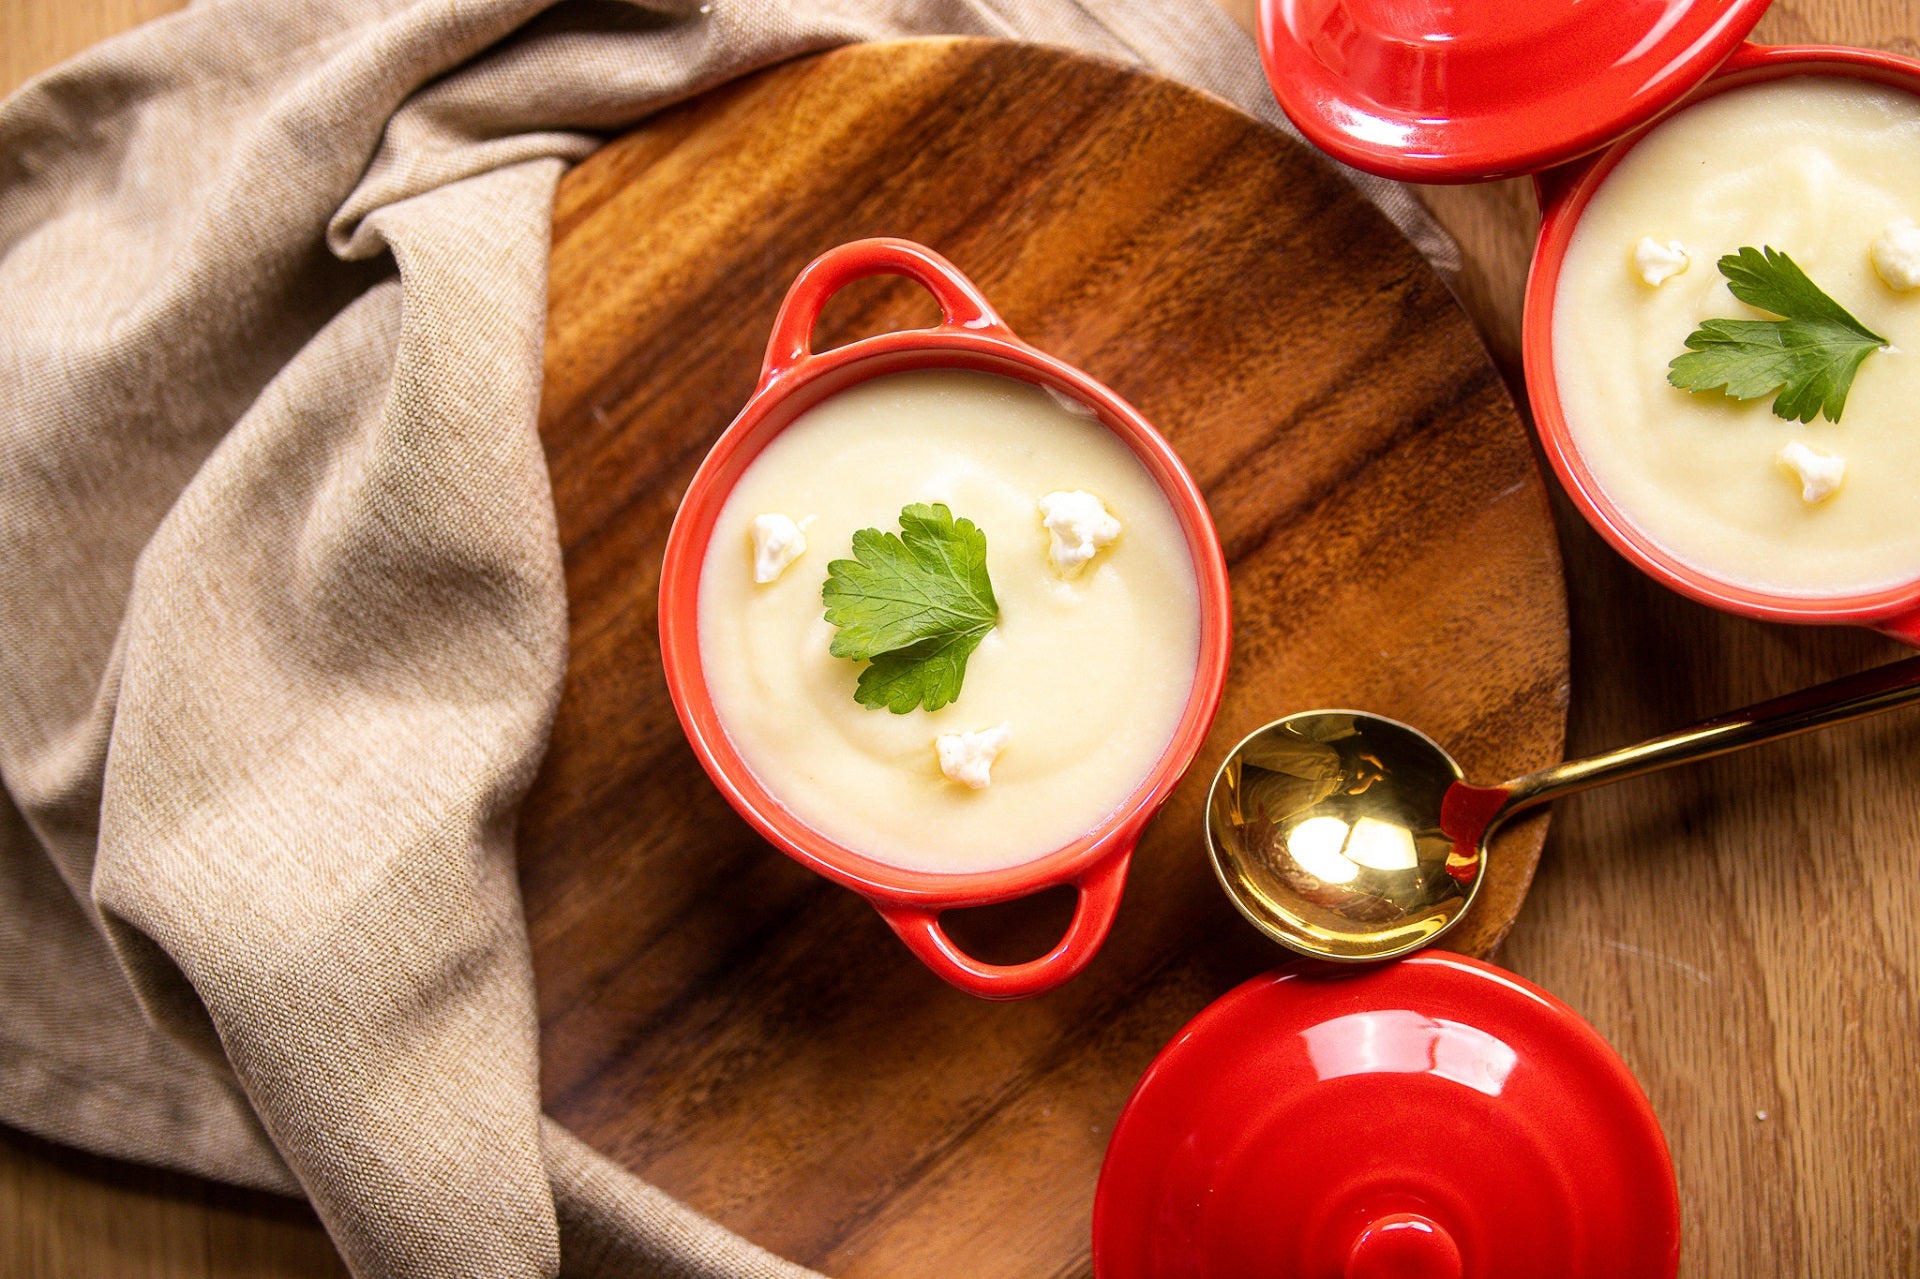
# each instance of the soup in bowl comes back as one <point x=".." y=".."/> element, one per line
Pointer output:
<point x="944" y="618"/>
<point x="1792" y="503"/>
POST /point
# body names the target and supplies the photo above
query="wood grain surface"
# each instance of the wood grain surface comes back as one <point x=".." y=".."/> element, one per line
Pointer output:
<point x="755" y="1040"/>
<point x="1743" y="934"/>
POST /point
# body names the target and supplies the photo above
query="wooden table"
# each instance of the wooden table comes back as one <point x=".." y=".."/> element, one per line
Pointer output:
<point x="1743" y="933"/>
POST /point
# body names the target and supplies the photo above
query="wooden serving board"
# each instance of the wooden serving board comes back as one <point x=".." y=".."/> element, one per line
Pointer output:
<point x="752" y="1038"/>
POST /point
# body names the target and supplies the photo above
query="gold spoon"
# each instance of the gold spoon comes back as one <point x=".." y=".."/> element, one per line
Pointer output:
<point x="1350" y="836"/>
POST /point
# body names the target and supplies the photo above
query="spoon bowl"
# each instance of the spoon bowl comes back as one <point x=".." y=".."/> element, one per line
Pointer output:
<point x="1353" y="837"/>
<point x="1325" y="829"/>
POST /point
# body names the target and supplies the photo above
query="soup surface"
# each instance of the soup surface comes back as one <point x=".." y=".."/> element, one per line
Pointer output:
<point x="1089" y="671"/>
<point x="1819" y="168"/>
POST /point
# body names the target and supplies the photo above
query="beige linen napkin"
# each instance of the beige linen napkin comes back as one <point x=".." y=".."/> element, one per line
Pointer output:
<point x="282" y="621"/>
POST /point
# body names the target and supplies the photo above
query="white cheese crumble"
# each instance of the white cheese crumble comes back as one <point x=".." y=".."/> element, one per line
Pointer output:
<point x="1820" y="473"/>
<point x="1896" y="255"/>
<point x="968" y="758"/>
<point x="1078" y="524"/>
<point x="777" y="542"/>
<point x="1657" y="262"/>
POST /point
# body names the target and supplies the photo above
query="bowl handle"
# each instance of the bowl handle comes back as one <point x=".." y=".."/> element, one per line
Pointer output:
<point x="1100" y="887"/>
<point x="961" y="302"/>
<point x="1904" y="627"/>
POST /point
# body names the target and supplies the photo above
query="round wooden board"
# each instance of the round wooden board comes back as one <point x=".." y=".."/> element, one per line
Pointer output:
<point x="752" y="1038"/>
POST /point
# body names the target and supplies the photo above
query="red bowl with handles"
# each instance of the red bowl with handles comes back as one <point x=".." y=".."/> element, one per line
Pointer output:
<point x="1473" y="90"/>
<point x="1564" y="196"/>
<point x="793" y="379"/>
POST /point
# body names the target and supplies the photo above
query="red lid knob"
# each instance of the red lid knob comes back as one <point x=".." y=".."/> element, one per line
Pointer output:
<point x="1403" y="1245"/>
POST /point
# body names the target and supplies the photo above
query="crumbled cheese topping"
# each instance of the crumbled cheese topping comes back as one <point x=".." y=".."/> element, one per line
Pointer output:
<point x="1079" y="524"/>
<point x="1896" y="255"/>
<point x="1820" y="473"/>
<point x="1657" y="262"/>
<point x="777" y="542"/>
<point x="968" y="758"/>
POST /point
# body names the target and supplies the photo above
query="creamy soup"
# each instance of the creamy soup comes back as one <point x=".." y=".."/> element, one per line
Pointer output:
<point x="1826" y="170"/>
<point x="1068" y="702"/>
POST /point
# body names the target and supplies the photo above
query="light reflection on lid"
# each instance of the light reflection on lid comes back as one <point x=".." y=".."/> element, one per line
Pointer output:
<point x="1400" y="1041"/>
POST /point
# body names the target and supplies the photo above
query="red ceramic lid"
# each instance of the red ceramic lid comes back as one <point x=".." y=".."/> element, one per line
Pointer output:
<point x="1463" y="90"/>
<point x="1437" y="1118"/>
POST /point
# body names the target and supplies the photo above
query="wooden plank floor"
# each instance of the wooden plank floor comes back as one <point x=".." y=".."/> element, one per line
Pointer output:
<point x="68" y="1215"/>
<point x="1743" y="933"/>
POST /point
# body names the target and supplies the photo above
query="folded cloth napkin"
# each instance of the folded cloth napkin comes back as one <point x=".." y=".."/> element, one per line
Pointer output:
<point x="282" y="621"/>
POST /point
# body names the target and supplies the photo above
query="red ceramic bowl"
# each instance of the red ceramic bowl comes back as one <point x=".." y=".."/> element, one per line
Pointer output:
<point x="793" y="380"/>
<point x="1564" y="195"/>
<point x="1469" y="90"/>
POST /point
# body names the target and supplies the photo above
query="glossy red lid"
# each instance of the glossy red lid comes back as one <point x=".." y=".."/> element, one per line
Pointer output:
<point x="1437" y="1118"/>
<point x="1464" y="90"/>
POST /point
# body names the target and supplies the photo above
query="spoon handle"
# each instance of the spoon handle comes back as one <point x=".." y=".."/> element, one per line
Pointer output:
<point x="1852" y="697"/>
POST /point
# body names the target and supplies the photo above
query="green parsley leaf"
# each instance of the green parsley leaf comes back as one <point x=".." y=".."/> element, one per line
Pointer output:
<point x="926" y="674"/>
<point x="1809" y="356"/>
<point x="913" y="605"/>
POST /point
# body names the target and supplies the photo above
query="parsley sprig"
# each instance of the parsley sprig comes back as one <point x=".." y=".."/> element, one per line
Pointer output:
<point x="913" y="606"/>
<point x="1809" y="356"/>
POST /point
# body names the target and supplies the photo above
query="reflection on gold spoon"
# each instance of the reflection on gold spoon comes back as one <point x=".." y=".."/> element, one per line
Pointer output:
<point x="1350" y="836"/>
